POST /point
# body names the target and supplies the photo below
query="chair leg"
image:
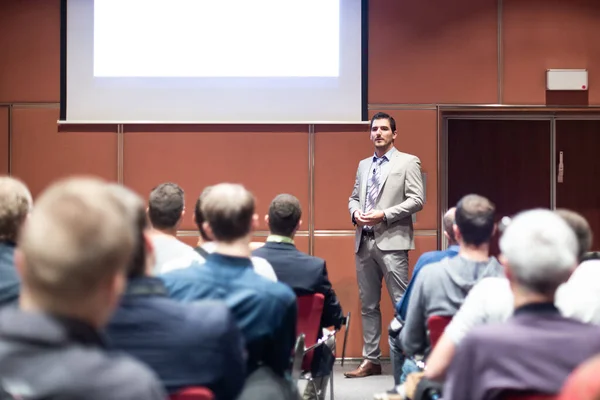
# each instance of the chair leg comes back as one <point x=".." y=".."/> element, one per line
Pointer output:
<point x="331" y="386"/>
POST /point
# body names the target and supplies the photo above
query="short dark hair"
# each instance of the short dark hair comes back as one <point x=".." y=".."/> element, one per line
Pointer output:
<point x="165" y="205"/>
<point x="228" y="208"/>
<point x="475" y="219"/>
<point x="382" y="115"/>
<point x="284" y="215"/>
<point x="198" y="216"/>
<point x="134" y="206"/>
<point x="582" y="230"/>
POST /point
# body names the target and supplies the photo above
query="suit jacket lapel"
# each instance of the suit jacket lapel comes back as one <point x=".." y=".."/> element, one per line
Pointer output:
<point x="385" y="175"/>
<point x="363" y="187"/>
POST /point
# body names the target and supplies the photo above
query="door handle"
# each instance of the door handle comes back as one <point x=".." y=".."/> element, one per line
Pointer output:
<point x="561" y="167"/>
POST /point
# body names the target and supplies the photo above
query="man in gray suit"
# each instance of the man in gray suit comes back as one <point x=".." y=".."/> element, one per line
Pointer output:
<point x="388" y="190"/>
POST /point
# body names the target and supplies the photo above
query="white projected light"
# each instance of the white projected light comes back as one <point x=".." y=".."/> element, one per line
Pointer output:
<point x="214" y="60"/>
<point x="224" y="38"/>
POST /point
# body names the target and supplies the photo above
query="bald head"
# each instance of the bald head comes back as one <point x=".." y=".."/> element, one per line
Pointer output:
<point x="76" y="239"/>
<point x="448" y="224"/>
<point x="228" y="209"/>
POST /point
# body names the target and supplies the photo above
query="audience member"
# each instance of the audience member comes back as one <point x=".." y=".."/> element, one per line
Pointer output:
<point x="72" y="257"/>
<point x="537" y="348"/>
<point x="207" y="246"/>
<point x="264" y="310"/>
<point x="194" y="344"/>
<point x="430" y="257"/>
<point x="491" y="300"/>
<point x="305" y="275"/>
<point x="166" y="208"/>
<point x="15" y="205"/>
<point x="441" y="288"/>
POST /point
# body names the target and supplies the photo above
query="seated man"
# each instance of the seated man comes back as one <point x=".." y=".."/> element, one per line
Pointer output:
<point x="427" y="258"/>
<point x="207" y="246"/>
<point x="195" y="344"/>
<point x="441" y="288"/>
<point x="265" y="311"/>
<point x="304" y="274"/>
<point x="537" y="348"/>
<point x="166" y="208"/>
<point x="72" y="256"/>
<point x="15" y="204"/>
<point x="491" y="300"/>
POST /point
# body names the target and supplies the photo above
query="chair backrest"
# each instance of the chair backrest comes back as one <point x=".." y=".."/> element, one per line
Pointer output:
<point x="436" y="324"/>
<point x="310" y="309"/>
<point x="583" y="383"/>
<point x="193" y="393"/>
<point x="526" y="395"/>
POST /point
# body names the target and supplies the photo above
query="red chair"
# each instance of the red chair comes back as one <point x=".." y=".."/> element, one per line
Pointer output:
<point x="436" y="324"/>
<point x="310" y="309"/>
<point x="526" y="395"/>
<point x="583" y="383"/>
<point x="193" y="393"/>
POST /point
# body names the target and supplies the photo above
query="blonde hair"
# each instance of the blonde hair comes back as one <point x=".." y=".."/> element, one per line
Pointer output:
<point x="77" y="237"/>
<point x="15" y="204"/>
<point x="228" y="208"/>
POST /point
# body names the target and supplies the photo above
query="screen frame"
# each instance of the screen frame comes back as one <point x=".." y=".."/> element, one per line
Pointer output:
<point x="364" y="61"/>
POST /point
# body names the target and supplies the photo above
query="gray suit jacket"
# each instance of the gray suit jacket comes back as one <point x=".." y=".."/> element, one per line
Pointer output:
<point x="400" y="196"/>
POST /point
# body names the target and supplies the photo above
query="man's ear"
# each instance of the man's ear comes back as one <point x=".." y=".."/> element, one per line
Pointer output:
<point x="457" y="233"/>
<point x="208" y="230"/>
<point x="447" y="237"/>
<point x="20" y="263"/>
<point x="267" y="219"/>
<point x="299" y="225"/>
<point x="255" y="224"/>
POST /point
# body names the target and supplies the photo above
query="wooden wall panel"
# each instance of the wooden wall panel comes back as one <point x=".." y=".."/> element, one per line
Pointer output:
<point x="4" y="145"/>
<point x="338" y="251"/>
<point x="268" y="160"/>
<point x="42" y="154"/>
<point x="338" y="150"/>
<point x="30" y="51"/>
<point x="545" y="34"/>
<point x="432" y="51"/>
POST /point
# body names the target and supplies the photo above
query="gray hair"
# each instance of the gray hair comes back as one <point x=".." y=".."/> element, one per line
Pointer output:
<point x="540" y="249"/>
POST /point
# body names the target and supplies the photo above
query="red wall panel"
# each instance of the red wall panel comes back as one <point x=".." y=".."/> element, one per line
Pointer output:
<point x="42" y="154"/>
<point x="338" y="149"/>
<point x="30" y="51"/>
<point x="339" y="254"/>
<point x="4" y="148"/>
<point x="268" y="160"/>
<point x="431" y="51"/>
<point x="546" y="34"/>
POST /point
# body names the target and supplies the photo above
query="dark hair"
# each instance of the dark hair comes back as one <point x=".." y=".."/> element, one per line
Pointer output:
<point x="165" y="205"/>
<point x="228" y="208"/>
<point x="580" y="227"/>
<point x="198" y="216"/>
<point x="134" y="206"/>
<point x="382" y="115"/>
<point x="475" y="219"/>
<point x="284" y="215"/>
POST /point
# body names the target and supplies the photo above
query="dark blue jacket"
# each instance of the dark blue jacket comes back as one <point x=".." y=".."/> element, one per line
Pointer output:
<point x="10" y="284"/>
<point x="185" y="344"/>
<point x="265" y="311"/>
<point x="429" y="257"/>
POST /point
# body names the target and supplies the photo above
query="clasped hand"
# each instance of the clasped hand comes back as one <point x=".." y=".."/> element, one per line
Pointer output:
<point x="370" y="218"/>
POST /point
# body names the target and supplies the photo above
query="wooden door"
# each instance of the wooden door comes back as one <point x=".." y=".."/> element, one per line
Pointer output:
<point x="507" y="161"/>
<point x="579" y="140"/>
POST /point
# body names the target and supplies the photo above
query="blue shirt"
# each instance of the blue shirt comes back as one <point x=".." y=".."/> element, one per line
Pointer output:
<point x="429" y="257"/>
<point x="185" y="344"/>
<point x="265" y="311"/>
<point x="10" y="284"/>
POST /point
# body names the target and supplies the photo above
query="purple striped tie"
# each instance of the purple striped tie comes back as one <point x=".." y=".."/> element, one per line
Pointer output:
<point x="374" y="184"/>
